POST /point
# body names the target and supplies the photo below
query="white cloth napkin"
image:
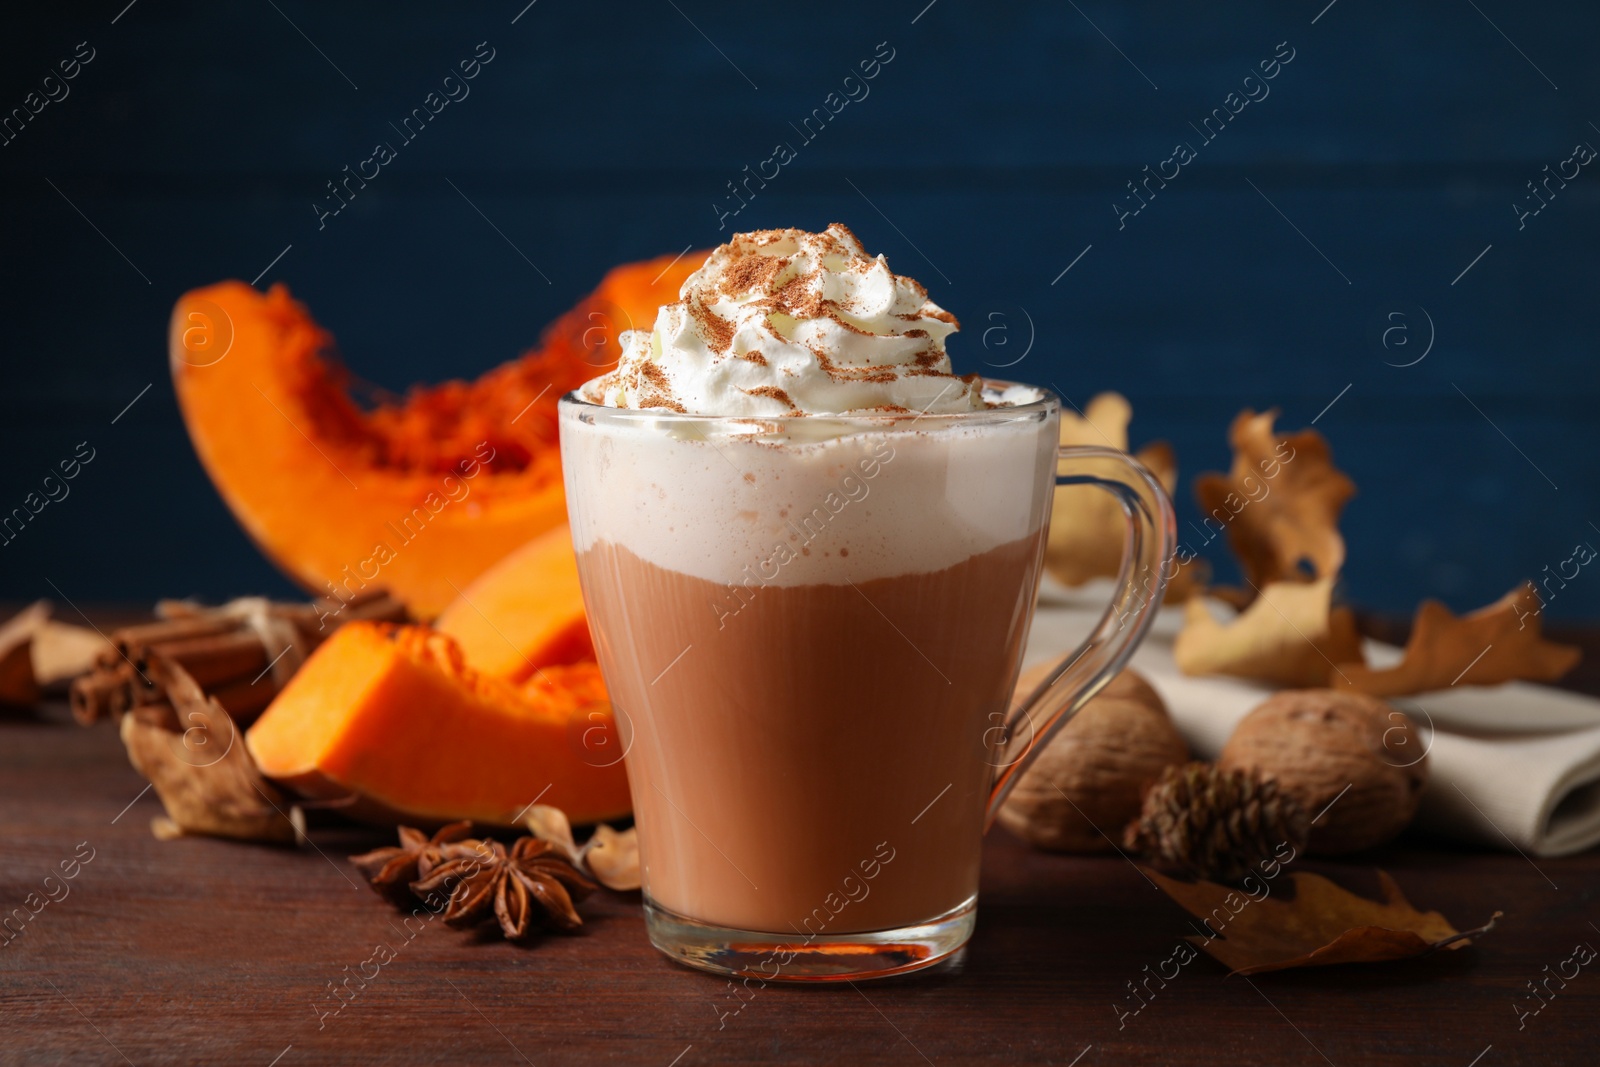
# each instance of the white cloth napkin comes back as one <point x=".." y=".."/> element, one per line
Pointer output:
<point x="1511" y="766"/>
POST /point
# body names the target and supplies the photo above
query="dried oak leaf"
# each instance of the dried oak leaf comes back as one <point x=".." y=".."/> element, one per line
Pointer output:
<point x="1087" y="526"/>
<point x="202" y="770"/>
<point x="1322" y="924"/>
<point x="1280" y="502"/>
<point x="613" y="858"/>
<point x="62" y="651"/>
<point x="18" y="686"/>
<point x="392" y="870"/>
<point x="1290" y="636"/>
<point x="1498" y="643"/>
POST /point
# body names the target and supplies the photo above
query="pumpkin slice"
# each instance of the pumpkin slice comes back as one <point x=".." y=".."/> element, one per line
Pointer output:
<point x="524" y="612"/>
<point x="394" y="717"/>
<point x="419" y="494"/>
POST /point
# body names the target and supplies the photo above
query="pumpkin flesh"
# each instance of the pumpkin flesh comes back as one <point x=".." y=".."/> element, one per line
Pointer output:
<point x="419" y="494"/>
<point x="524" y="611"/>
<point x="394" y="717"/>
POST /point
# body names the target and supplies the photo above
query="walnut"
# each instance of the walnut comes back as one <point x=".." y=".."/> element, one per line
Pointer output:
<point x="1319" y="743"/>
<point x="1101" y="761"/>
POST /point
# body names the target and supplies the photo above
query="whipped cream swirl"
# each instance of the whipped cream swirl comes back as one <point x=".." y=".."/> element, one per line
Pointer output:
<point x="786" y="322"/>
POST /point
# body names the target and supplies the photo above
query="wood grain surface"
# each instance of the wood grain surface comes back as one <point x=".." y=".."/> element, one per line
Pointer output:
<point x="204" y="951"/>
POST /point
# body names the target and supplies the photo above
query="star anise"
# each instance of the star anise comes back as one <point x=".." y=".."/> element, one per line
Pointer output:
<point x="514" y="883"/>
<point x="392" y="870"/>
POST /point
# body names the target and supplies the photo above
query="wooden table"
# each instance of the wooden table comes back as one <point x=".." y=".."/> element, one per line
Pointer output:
<point x="208" y="951"/>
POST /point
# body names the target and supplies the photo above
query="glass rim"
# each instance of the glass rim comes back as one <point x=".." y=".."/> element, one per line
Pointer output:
<point x="873" y="420"/>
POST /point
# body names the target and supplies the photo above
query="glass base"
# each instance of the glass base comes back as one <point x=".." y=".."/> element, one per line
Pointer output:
<point x="777" y="958"/>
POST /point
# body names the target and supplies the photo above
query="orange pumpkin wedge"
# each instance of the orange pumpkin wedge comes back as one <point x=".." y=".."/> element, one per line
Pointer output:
<point x="419" y="494"/>
<point x="393" y="717"/>
<point x="524" y="612"/>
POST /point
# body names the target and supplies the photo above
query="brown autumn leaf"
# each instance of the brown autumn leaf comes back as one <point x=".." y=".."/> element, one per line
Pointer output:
<point x="612" y="857"/>
<point x="1087" y="524"/>
<point x="1321" y="924"/>
<point x="1279" y="503"/>
<point x="1498" y="643"/>
<point x="18" y="686"/>
<point x="62" y="651"/>
<point x="609" y="856"/>
<point x="1291" y="636"/>
<point x="202" y="770"/>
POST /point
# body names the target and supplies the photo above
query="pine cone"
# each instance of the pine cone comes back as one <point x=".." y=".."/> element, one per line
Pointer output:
<point x="1206" y="822"/>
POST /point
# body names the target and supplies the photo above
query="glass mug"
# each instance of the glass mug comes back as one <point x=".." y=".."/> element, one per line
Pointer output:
<point x="810" y="629"/>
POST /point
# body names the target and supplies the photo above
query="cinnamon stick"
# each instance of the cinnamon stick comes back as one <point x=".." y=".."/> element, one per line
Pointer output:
<point x="218" y="648"/>
<point x="216" y="658"/>
<point x="104" y="692"/>
<point x="244" y="699"/>
<point x="136" y="641"/>
<point x="382" y="608"/>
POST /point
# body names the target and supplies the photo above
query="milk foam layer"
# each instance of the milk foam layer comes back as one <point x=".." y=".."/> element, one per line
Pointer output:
<point x="844" y="508"/>
<point x="786" y="322"/>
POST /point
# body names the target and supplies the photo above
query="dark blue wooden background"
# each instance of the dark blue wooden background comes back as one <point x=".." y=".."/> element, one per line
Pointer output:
<point x="987" y="157"/>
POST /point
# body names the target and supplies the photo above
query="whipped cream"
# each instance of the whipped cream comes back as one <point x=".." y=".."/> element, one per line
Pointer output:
<point x="786" y="322"/>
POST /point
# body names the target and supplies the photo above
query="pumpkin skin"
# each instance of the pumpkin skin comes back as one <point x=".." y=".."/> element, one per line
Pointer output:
<point x="419" y="495"/>
<point x="393" y="718"/>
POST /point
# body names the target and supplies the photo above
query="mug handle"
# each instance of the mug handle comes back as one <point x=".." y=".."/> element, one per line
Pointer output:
<point x="1147" y="553"/>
